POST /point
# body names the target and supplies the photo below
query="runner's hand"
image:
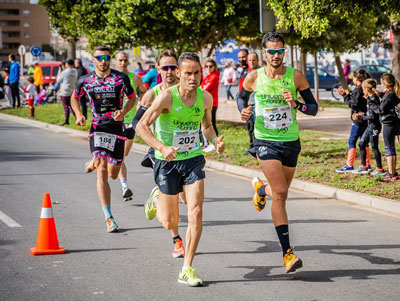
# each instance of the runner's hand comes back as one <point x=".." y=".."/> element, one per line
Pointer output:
<point x="246" y="113"/>
<point x="355" y="116"/>
<point x="288" y="96"/>
<point x="220" y="145"/>
<point x="118" y="115"/>
<point x="80" y="120"/>
<point x="169" y="152"/>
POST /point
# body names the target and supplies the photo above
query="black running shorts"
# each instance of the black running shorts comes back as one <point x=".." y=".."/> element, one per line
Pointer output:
<point x="129" y="131"/>
<point x="170" y="177"/>
<point x="115" y="156"/>
<point x="286" y="152"/>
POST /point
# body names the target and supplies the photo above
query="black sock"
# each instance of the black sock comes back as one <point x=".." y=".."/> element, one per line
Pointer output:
<point x="283" y="235"/>
<point x="261" y="191"/>
<point x="176" y="238"/>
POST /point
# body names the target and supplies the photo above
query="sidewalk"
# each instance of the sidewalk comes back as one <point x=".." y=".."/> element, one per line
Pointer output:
<point x="355" y="198"/>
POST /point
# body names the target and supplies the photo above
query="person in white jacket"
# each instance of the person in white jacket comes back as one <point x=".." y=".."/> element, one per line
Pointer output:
<point x="228" y="79"/>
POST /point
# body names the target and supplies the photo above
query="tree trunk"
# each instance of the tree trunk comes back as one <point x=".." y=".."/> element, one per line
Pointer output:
<point x="291" y="56"/>
<point x="303" y="62"/>
<point x="341" y="73"/>
<point x="396" y="50"/>
<point x="71" y="50"/>
<point x="316" y="77"/>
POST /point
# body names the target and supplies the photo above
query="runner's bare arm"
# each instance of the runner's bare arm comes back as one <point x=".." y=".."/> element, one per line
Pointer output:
<point x="147" y="99"/>
<point x="162" y="104"/>
<point x="207" y="127"/>
<point x="139" y="85"/>
<point x="80" y="119"/>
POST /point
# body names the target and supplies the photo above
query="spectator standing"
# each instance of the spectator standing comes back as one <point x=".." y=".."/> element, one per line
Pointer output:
<point x="228" y="79"/>
<point x="150" y="78"/>
<point x="13" y="81"/>
<point x="31" y="70"/>
<point x="81" y="72"/>
<point x="7" y="88"/>
<point x="347" y="70"/>
<point x="30" y="96"/>
<point x="67" y="80"/>
<point x="210" y="84"/>
<point x="242" y="57"/>
<point x="37" y="77"/>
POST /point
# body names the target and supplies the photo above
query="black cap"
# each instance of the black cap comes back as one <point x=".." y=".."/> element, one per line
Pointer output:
<point x="70" y="62"/>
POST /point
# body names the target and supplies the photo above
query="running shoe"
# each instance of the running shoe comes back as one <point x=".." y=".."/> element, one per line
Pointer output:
<point x="111" y="225"/>
<point x="90" y="166"/>
<point x="378" y="172"/>
<point x="369" y="167"/>
<point x="150" y="209"/>
<point x="391" y="177"/>
<point x="179" y="250"/>
<point x="189" y="278"/>
<point x="258" y="201"/>
<point x="362" y="170"/>
<point x="291" y="261"/>
<point x="127" y="194"/>
<point x="345" y="168"/>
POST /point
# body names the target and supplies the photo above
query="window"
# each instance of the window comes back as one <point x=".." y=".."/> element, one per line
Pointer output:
<point x="46" y="71"/>
<point x="26" y="12"/>
<point x="27" y="35"/>
<point x="55" y="70"/>
<point x="382" y="69"/>
<point x="26" y="24"/>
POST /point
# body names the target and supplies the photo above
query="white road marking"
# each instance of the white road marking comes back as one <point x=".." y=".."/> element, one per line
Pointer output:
<point x="8" y="220"/>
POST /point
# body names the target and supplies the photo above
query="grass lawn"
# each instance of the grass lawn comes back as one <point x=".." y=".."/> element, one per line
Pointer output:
<point x="317" y="162"/>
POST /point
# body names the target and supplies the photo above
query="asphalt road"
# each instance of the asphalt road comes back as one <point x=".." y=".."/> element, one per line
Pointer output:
<point x="348" y="253"/>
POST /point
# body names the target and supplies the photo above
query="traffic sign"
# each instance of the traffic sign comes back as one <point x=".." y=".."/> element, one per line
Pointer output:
<point x="21" y="50"/>
<point x="36" y="51"/>
<point x="136" y="51"/>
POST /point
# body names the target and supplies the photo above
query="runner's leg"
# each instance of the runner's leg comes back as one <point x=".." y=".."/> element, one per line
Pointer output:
<point x="194" y="196"/>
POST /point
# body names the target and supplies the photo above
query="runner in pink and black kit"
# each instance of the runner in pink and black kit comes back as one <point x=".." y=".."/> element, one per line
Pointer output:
<point x="105" y="89"/>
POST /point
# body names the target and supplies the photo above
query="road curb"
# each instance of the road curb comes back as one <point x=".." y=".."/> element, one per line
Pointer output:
<point x="357" y="198"/>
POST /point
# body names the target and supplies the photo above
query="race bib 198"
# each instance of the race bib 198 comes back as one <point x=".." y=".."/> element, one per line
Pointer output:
<point x="186" y="140"/>
<point x="105" y="140"/>
<point x="277" y="118"/>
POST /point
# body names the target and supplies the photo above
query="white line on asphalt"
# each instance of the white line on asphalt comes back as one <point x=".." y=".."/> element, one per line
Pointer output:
<point x="8" y="220"/>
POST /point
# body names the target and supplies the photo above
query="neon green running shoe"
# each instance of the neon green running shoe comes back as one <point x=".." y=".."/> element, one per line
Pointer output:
<point x="189" y="278"/>
<point x="150" y="209"/>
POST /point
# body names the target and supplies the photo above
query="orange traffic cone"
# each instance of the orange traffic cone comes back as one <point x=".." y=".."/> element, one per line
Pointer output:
<point x="47" y="241"/>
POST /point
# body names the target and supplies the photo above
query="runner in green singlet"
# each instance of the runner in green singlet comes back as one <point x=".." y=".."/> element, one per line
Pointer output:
<point x="167" y="66"/>
<point x="178" y="113"/>
<point x="276" y="132"/>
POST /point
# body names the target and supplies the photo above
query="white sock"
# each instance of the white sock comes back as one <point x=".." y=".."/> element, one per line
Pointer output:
<point x="184" y="268"/>
<point x="124" y="183"/>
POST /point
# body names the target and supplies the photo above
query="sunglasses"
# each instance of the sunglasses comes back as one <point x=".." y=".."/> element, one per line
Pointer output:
<point x="106" y="58"/>
<point x="168" y="67"/>
<point x="209" y="66"/>
<point x="273" y="51"/>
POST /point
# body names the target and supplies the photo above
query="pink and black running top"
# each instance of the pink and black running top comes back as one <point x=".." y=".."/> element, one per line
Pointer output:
<point x="105" y="96"/>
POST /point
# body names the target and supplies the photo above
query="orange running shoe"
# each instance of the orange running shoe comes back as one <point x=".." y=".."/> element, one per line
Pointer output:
<point x="291" y="261"/>
<point x="90" y="166"/>
<point x="258" y="201"/>
<point x="179" y="250"/>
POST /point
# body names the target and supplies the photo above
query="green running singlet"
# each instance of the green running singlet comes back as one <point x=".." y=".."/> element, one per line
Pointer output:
<point x="156" y="90"/>
<point x="131" y="114"/>
<point x="275" y="119"/>
<point x="180" y="127"/>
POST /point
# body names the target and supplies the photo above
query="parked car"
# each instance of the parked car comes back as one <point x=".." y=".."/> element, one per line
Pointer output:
<point x="50" y="71"/>
<point x="379" y="61"/>
<point x="376" y="71"/>
<point x="326" y="80"/>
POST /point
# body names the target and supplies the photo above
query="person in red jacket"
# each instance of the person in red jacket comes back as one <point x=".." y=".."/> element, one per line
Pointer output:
<point x="210" y="83"/>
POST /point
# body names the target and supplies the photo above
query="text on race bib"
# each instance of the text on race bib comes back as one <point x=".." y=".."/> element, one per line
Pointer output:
<point x="277" y="118"/>
<point x="105" y="140"/>
<point x="186" y="140"/>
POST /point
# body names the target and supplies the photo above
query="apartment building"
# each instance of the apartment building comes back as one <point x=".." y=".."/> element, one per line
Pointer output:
<point x="22" y="23"/>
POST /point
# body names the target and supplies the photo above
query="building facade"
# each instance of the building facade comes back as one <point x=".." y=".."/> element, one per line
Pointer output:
<point x="22" y="23"/>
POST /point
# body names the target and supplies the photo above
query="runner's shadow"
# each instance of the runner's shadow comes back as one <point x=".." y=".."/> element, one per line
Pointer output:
<point x="263" y="273"/>
<point x="97" y="250"/>
<point x="6" y="156"/>
<point x="123" y="230"/>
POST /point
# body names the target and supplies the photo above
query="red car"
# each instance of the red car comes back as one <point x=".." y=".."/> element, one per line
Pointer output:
<point x="50" y="71"/>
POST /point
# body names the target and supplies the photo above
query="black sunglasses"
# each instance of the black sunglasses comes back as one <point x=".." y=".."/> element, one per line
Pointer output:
<point x="209" y="66"/>
<point x="168" y="67"/>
